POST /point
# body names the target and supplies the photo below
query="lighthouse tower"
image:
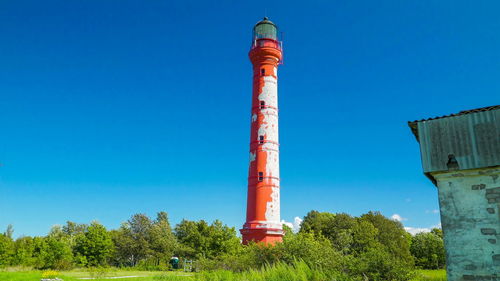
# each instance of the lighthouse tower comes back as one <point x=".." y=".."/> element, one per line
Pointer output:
<point x="263" y="201"/>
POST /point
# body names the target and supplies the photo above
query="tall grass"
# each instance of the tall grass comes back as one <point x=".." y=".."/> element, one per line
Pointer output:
<point x="297" y="271"/>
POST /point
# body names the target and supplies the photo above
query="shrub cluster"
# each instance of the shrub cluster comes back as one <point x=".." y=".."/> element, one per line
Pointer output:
<point x="369" y="247"/>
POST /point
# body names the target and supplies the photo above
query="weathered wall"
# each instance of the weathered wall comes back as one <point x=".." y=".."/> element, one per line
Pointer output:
<point x="470" y="216"/>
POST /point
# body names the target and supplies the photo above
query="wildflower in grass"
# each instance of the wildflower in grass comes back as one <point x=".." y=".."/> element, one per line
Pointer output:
<point x="50" y="274"/>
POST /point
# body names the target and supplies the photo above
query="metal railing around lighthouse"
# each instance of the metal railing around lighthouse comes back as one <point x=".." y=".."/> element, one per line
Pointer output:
<point x="267" y="42"/>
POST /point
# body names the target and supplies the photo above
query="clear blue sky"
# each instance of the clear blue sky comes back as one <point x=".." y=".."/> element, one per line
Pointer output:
<point x="110" y="108"/>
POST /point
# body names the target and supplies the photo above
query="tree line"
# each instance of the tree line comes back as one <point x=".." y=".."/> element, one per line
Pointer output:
<point x="370" y="246"/>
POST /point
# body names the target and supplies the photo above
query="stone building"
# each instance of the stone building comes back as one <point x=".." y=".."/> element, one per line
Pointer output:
<point x="461" y="156"/>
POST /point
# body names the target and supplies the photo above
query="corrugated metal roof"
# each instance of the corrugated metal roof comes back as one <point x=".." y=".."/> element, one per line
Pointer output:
<point x="471" y="136"/>
<point x="413" y="124"/>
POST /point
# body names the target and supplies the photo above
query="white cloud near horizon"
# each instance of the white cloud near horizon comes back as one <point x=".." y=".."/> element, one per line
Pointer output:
<point x="295" y="225"/>
<point x="399" y="218"/>
<point x="415" y="230"/>
<point x="297" y="221"/>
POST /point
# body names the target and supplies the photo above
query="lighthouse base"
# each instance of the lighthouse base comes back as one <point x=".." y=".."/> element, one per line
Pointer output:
<point x="264" y="235"/>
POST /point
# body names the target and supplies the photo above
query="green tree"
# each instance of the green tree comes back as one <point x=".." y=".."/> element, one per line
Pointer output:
<point x="364" y="236"/>
<point x="288" y="231"/>
<point x="95" y="245"/>
<point x="318" y="223"/>
<point x="23" y="251"/>
<point x="9" y="231"/>
<point x="338" y="228"/>
<point x="193" y="237"/>
<point x="438" y="232"/>
<point x="428" y="250"/>
<point x="6" y="250"/>
<point x="391" y="234"/>
<point x="200" y="239"/>
<point x="162" y="240"/>
<point x="223" y="239"/>
<point x="371" y="245"/>
<point x="73" y="228"/>
<point x="140" y="229"/>
<point x="142" y="240"/>
<point x="52" y="251"/>
<point x="124" y="250"/>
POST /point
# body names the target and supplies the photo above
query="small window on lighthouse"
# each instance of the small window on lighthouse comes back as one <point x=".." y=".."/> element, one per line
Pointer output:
<point x="261" y="176"/>
<point x="261" y="139"/>
<point x="262" y="72"/>
<point x="262" y="104"/>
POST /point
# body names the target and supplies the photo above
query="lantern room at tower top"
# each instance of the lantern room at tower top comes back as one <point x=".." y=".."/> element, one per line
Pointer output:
<point x="265" y="34"/>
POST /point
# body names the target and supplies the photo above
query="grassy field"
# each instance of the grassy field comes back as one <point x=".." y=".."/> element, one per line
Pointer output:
<point x="75" y="275"/>
<point x="431" y="275"/>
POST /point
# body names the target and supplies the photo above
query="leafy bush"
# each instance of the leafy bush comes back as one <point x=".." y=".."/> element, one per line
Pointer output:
<point x="378" y="264"/>
<point x="314" y="251"/>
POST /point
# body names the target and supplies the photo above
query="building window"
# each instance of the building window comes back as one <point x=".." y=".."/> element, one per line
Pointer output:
<point x="261" y="176"/>
<point x="262" y="72"/>
<point x="261" y="139"/>
<point x="262" y="104"/>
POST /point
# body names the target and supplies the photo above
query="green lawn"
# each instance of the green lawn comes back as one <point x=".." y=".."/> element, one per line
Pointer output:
<point x="74" y="275"/>
<point x="431" y="275"/>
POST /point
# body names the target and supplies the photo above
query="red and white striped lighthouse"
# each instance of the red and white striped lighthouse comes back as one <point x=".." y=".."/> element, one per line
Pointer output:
<point x="263" y="202"/>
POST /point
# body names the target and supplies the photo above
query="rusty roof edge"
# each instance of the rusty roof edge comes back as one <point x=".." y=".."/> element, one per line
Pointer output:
<point x="463" y="112"/>
<point x="414" y="127"/>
